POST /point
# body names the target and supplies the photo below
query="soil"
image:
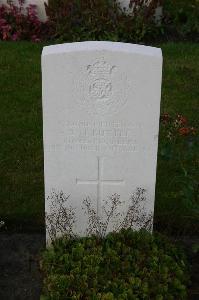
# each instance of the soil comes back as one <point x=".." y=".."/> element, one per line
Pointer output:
<point x="193" y="259"/>
<point x="20" y="277"/>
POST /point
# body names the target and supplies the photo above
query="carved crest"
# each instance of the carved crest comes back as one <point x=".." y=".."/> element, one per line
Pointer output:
<point x="100" y="87"/>
<point x="100" y="68"/>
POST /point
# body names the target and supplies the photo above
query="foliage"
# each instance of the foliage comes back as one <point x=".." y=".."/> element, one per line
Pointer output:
<point x="16" y="23"/>
<point x="61" y="217"/>
<point x="74" y="20"/>
<point x="176" y="126"/>
<point x="124" y="265"/>
<point x="180" y="19"/>
<point x="178" y="148"/>
<point x="177" y="134"/>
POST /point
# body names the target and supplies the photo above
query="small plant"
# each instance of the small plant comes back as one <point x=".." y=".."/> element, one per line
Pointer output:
<point x="61" y="217"/>
<point x="178" y="158"/>
<point x="175" y="127"/>
<point x="179" y="142"/>
<point x="124" y="265"/>
<point x="16" y="23"/>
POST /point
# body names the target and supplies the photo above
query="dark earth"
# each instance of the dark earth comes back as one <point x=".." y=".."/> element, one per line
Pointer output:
<point x="20" y="277"/>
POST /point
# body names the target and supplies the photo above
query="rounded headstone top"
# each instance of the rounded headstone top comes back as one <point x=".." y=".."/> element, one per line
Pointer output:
<point x="102" y="45"/>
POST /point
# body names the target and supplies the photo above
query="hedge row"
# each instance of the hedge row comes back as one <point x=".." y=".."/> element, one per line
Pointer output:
<point x="75" y="20"/>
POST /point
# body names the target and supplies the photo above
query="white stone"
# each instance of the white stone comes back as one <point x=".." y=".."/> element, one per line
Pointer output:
<point x="101" y="103"/>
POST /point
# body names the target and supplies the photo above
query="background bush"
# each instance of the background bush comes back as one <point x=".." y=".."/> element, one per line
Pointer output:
<point x="17" y="23"/>
<point x="125" y="265"/>
<point x="75" y="20"/>
<point x="181" y="20"/>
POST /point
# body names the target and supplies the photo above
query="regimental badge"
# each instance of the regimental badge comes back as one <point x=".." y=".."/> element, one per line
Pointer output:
<point x="100" y="89"/>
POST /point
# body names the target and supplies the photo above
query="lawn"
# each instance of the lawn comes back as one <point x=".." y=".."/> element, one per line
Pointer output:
<point x="21" y="157"/>
<point x="21" y="154"/>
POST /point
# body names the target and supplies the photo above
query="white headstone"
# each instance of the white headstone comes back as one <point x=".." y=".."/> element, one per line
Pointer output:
<point x="101" y="103"/>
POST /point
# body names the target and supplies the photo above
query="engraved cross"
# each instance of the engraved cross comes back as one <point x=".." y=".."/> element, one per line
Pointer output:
<point x="100" y="182"/>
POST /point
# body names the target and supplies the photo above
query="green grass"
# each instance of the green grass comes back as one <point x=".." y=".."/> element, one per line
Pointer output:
<point x="180" y="94"/>
<point x="180" y="91"/>
<point x="21" y="154"/>
<point x="21" y="157"/>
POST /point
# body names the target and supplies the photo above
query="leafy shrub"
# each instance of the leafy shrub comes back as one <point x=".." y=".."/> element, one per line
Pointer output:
<point x="74" y="20"/>
<point x="181" y="19"/>
<point x="179" y="143"/>
<point x="124" y="265"/>
<point x="17" y="24"/>
<point x="177" y="187"/>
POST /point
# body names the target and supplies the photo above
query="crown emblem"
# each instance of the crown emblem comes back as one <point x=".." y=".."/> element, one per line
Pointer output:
<point x="99" y="93"/>
<point x="100" y="68"/>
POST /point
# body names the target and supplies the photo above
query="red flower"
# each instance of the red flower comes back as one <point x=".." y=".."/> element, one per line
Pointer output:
<point x="184" y="131"/>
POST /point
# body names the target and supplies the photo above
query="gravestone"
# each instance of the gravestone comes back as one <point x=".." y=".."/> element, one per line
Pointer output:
<point x="101" y="103"/>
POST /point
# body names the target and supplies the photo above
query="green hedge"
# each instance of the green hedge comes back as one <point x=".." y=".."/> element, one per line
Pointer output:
<point x="181" y="19"/>
<point x="125" y="265"/>
<point x="75" y="20"/>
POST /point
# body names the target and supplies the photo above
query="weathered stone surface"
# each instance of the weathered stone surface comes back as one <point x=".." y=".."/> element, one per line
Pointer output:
<point x="101" y="104"/>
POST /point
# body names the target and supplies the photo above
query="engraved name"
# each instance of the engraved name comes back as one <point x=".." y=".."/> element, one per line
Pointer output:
<point x="101" y="136"/>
